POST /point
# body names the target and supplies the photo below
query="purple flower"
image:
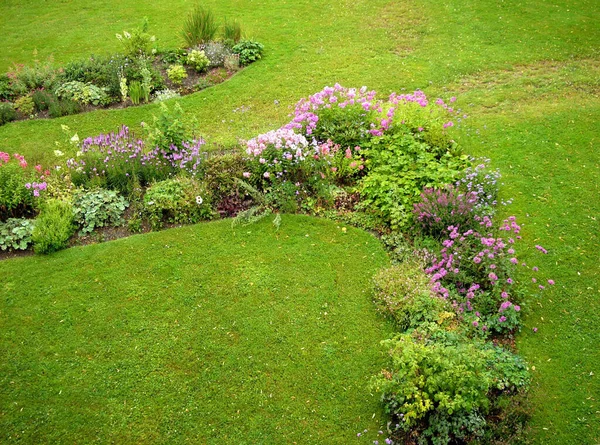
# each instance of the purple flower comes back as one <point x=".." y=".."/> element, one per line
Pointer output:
<point x="551" y="282"/>
<point x="534" y="329"/>
<point x="502" y="319"/>
<point x="541" y="249"/>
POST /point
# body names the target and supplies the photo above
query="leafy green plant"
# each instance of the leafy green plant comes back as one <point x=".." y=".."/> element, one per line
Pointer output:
<point x="63" y="107"/>
<point x="29" y="78"/>
<point x="176" y="74"/>
<point x="135" y="92"/>
<point x="7" y="113"/>
<point x="199" y="27"/>
<point x="82" y="93"/>
<point x="16" y="233"/>
<point x="168" y="128"/>
<point x="232" y="62"/>
<point x="138" y="42"/>
<point x="216" y="52"/>
<point x="249" y="51"/>
<point x="98" y="208"/>
<point x="102" y="71"/>
<point x="166" y="94"/>
<point x="399" y="168"/>
<point x="442" y="384"/>
<point x="25" y="105"/>
<point x="6" y="89"/>
<point x="197" y="59"/>
<point x="179" y="200"/>
<point x="16" y="199"/>
<point x="404" y="292"/>
<point x="43" y="99"/>
<point x="53" y="227"/>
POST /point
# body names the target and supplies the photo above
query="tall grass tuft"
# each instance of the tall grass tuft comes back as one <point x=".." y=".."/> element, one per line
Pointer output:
<point x="232" y="31"/>
<point x="199" y="27"/>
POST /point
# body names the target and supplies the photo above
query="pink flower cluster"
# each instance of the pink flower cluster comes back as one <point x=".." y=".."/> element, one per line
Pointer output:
<point x="305" y="117"/>
<point x="5" y="159"/>
<point x="284" y="139"/>
<point x="36" y="187"/>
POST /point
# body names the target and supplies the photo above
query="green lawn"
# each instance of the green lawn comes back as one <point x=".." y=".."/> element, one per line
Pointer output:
<point x="527" y="72"/>
<point x="202" y="334"/>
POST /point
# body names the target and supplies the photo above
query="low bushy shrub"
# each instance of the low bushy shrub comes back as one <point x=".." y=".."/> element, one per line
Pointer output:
<point x="249" y="51"/>
<point x="83" y="93"/>
<point x="25" y="105"/>
<point x="53" y="227"/>
<point x="441" y="384"/>
<point x="98" y="208"/>
<point x="102" y="71"/>
<point x="16" y="233"/>
<point x="166" y="94"/>
<point x="399" y="166"/>
<point x="404" y="292"/>
<point x="197" y="60"/>
<point x="7" y="113"/>
<point x="179" y="200"/>
<point x="176" y="74"/>
<point x="138" y="43"/>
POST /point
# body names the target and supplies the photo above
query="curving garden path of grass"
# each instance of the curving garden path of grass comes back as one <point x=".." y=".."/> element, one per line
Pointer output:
<point x="201" y="334"/>
<point x="527" y="73"/>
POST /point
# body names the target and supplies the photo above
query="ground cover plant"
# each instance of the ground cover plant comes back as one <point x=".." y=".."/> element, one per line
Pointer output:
<point x="526" y="73"/>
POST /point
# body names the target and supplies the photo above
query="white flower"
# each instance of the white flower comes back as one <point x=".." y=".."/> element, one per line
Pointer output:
<point x="119" y="36"/>
<point x="199" y="200"/>
<point x="79" y="154"/>
<point x="75" y="139"/>
<point x="58" y="153"/>
<point x="127" y="35"/>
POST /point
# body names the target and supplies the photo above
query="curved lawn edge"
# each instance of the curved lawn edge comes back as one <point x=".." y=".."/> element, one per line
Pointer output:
<point x="202" y="333"/>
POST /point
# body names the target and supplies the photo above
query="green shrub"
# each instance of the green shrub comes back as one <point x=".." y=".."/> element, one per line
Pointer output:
<point x="138" y="42"/>
<point x="102" y="71"/>
<point x="42" y="99"/>
<point x="63" y="107"/>
<point x="173" y="56"/>
<point x="232" y="31"/>
<point x="38" y="76"/>
<point x="53" y="227"/>
<point x="25" y="105"/>
<point x="249" y="51"/>
<point x="16" y="233"/>
<point x="16" y="200"/>
<point x="199" y="27"/>
<point x="220" y="173"/>
<point x="82" y="93"/>
<point x="404" y="292"/>
<point x="180" y="200"/>
<point x="167" y="128"/>
<point x="7" y="113"/>
<point x="98" y="208"/>
<point x="399" y="168"/>
<point x="6" y="89"/>
<point x="197" y="59"/>
<point x="232" y="62"/>
<point x="176" y="74"/>
<point x="441" y="384"/>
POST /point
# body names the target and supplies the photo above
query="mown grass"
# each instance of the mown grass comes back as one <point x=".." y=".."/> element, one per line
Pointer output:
<point x="527" y="73"/>
<point x="202" y="334"/>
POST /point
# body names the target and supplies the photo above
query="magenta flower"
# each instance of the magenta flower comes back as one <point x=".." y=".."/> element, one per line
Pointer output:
<point x="551" y="282"/>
